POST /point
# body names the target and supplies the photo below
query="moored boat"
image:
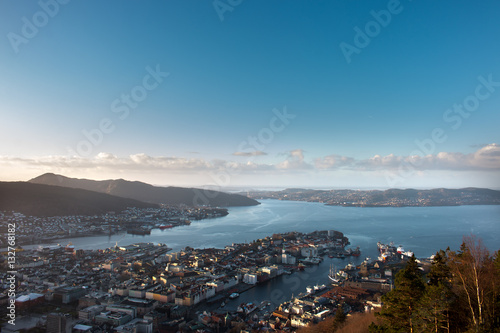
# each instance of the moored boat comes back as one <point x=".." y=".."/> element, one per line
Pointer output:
<point x="319" y="287"/>
<point x="165" y="226"/>
<point x="332" y="275"/>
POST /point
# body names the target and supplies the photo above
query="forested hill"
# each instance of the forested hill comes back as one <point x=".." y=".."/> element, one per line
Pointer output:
<point x="48" y="200"/>
<point x="388" y="198"/>
<point x="149" y="193"/>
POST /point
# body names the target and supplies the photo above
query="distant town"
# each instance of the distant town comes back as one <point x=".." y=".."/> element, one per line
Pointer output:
<point x="37" y="230"/>
<point x="145" y="287"/>
<point x="387" y="198"/>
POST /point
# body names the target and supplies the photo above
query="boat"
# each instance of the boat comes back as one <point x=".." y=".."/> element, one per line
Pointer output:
<point x="234" y="295"/>
<point x="301" y="267"/>
<point x="139" y="231"/>
<point x="309" y="289"/>
<point x="319" y="287"/>
<point x="333" y="275"/>
<point x="263" y="304"/>
<point x="387" y="248"/>
<point x="250" y="308"/>
<point x="382" y="247"/>
<point x="49" y="247"/>
<point x="356" y="252"/>
<point x="383" y="257"/>
<point x="350" y="267"/>
<point x="246" y="308"/>
<point x="311" y="261"/>
<point x="70" y="247"/>
<point x="165" y="226"/>
<point x="408" y="254"/>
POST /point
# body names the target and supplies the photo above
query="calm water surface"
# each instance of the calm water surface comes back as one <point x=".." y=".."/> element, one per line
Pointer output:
<point x="424" y="230"/>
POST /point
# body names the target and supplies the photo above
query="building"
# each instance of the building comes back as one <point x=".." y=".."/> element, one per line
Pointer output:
<point x="112" y="318"/>
<point x="250" y="278"/>
<point x="137" y="326"/>
<point x="57" y="323"/>
<point x="27" y="301"/>
<point x="309" y="251"/>
<point x="127" y="309"/>
<point x="90" y="312"/>
<point x="79" y="328"/>
<point x="287" y="259"/>
<point x="68" y="295"/>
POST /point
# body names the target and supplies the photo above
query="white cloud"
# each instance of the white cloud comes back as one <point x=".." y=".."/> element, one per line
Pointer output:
<point x="333" y="162"/>
<point x="294" y="161"/>
<point x="249" y="154"/>
<point x="484" y="159"/>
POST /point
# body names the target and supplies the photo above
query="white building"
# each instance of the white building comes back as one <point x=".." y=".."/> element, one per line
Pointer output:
<point x="309" y="252"/>
<point x="288" y="259"/>
<point x="250" y="278"/>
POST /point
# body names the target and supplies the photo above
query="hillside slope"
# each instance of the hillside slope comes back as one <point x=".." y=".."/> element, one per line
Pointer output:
<point x="48" y="200"/>
<point x="149" y="193"/>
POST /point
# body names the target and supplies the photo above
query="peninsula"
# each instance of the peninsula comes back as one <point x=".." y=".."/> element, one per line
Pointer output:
<point x="387" y="198"/>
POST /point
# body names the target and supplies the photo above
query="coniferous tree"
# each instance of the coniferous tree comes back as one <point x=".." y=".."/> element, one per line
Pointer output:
<point x="401" y="304"/>
<point x="440" y="271"/>
<point x="462" y="294"/>
<point x="339" y="318"/>
<point x="433" y="311"/>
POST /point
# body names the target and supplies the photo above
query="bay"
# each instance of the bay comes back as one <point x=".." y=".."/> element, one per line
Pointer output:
<point x="423" y="230"/>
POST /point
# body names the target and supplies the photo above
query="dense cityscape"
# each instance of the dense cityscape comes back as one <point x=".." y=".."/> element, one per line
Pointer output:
<point x="148" y="288"/>
<point x="37" y="230"/>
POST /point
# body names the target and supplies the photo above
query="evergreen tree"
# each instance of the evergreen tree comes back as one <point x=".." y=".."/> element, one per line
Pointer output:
<point x="434" y="306"/>
<point x="440" y="271"/>
<point x="339" y="318"/>
<point x="400" y="304"/>
<point x="432" y="313"/>
<point x="462" y="294"/>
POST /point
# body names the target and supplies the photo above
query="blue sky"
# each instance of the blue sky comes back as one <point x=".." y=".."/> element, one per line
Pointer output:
<point x="354" y="121"/>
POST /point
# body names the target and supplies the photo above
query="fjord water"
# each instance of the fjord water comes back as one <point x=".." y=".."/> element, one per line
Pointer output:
<point x="423" y="230"/>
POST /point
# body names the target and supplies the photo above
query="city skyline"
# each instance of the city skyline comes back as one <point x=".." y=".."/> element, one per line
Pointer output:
<point x="364" y="95"/>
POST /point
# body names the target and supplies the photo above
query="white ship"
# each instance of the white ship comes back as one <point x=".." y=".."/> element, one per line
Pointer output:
<point x="333" y="275"/>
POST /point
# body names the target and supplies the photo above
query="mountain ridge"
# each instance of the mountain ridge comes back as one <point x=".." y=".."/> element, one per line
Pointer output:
<point x="148" y="193"/>
<point x="50" y="200"/>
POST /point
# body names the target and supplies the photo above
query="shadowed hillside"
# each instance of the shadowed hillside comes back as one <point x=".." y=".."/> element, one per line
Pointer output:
<point x="48" y="200"/>
<point x="149" y="193"/>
